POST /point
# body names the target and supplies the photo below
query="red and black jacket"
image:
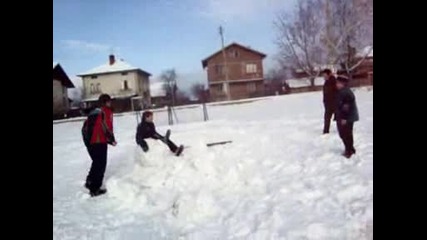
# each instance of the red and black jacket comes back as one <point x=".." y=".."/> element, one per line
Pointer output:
<point x="98" y="127"/>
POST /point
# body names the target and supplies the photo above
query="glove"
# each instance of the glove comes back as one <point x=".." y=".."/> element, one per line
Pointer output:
<point x="145" y="148"/>
<point x="346" y="108"/>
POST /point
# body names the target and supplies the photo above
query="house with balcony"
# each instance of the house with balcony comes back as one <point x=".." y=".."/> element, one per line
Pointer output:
<point x="235" y="72"/>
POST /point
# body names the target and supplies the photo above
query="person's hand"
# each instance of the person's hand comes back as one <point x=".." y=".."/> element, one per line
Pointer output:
<point x="145" y="148"/>
<point x="346" y="108"/>
<point x="114" y="143"/>
<point x="343" y="122"/>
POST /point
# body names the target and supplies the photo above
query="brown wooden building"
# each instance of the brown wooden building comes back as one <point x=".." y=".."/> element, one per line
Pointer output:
<point x="245" y="75"/>
<point x="61" y="84"/>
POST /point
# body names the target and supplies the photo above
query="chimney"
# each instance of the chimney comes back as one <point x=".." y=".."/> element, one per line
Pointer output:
<point x="112" y="59"/>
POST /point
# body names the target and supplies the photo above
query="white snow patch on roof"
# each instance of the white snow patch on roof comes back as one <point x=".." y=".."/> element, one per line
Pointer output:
<point x="367" y="51"/>
<point x="118" y="66"/>
<point x="113" y="96"/>
<point x="319" y="67"/>
<point x="304" y="82"/>
<point x="77" y="81"/>
<point x="156" y="89"/>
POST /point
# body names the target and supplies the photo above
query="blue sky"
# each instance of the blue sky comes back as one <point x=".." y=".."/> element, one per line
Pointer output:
<point x="156" y="35"/>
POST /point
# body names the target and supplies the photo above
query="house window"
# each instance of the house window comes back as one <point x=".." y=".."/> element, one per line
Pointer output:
<point x="219" y="69"/>
<point x="251" y="68"/>
<point x="251" y="87"/>
<point x="98" y="87"/>
<point x="125" y="85"/>
<point x="233" y="54"/>
<point x="92" y="88"/>
<point x="218" y="87"/>
<point x="124" y="73"/>
<point x="94" y="77"/>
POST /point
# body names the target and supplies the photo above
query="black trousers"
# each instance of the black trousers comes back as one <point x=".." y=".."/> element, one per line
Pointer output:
<point x="329" y="112"/>
<point x="168" y="142"/>
<point x="98" y="154"/>
<point x="346" y="134"/>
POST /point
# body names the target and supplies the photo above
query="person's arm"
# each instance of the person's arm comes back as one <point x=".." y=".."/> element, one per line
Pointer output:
<point x="154" y="134"/>
<point x="143" y="145"/>
<point x="107" y="128"/>
<point x="138" y="135"/>
<point x="348" y="101"/>
<point x="347" y="104"/>
<point x="139" y="138"/>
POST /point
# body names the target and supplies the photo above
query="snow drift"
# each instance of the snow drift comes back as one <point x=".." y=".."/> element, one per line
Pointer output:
<point x="279" y="179"/>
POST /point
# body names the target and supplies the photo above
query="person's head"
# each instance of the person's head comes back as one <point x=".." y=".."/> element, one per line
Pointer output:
<point x="342" y="82"/>
<point x="147" y="116"/>
<point x="327" y="73"/>
<point x="104" y="100"/>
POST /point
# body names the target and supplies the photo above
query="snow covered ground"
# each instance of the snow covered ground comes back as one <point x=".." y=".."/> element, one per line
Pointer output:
<point x="279" y="179"/>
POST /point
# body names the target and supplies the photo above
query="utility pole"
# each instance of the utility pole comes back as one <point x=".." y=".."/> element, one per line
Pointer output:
<point x="226" y="84"/>
<point x="173" y="89"/>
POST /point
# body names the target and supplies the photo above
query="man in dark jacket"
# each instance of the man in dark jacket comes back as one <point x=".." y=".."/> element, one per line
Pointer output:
<point x="346" y="114"/>
<point x="146" y="129"/>
<point x="97" y="132"/>
<point x="329" y="98"/>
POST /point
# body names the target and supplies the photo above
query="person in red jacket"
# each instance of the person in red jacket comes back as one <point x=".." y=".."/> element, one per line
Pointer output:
<point x="97" y="133"/>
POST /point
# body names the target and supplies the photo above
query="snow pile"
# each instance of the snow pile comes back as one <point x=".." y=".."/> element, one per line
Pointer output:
<point x="279" y="179"/>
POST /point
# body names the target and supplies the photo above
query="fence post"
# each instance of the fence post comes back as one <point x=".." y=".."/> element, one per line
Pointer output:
<point x="205" y="112"/>
<point x="170" y="117"/>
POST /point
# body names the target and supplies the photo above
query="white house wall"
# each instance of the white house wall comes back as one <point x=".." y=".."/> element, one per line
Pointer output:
<point x="112" y="84"/>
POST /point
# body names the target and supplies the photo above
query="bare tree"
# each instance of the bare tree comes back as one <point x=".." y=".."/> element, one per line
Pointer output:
<point x="181" y="98"/>
<point x="326" y="32"/>
<point x="198" y="91"/>
<point x="349" y="35"/>
<point x="275" y="80"/>
<point x="169" y="84"/>
<point x="299" y="38"/>
<point x="76" y="95"/>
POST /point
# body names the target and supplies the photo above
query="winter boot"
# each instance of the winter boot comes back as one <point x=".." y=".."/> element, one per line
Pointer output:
<point x="87" y="184"/>
<point x="347" y="154"/>
<point x="168" y="133"/>
<point x="98" y="192"/>
<point x="179" y="150"/>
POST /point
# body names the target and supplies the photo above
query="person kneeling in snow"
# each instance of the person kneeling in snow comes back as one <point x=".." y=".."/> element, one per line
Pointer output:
<point x="146" y="129"/>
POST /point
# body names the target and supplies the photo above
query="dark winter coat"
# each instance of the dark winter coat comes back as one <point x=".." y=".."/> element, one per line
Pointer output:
<point x="146" y="130"/>
<point x="330" y="92"/>
<point x="346" y="108"/>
